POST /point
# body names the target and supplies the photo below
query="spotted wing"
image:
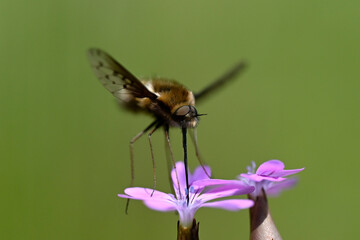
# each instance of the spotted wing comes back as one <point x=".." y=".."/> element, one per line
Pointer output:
<point x="114" y="77"/>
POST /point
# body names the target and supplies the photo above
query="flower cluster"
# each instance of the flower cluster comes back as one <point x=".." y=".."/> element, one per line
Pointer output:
<point x="202" y="189"/>
<point x="270" y="177"/>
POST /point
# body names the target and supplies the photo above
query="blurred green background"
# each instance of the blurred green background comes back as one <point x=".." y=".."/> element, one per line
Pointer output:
<point x="64" y="141"/>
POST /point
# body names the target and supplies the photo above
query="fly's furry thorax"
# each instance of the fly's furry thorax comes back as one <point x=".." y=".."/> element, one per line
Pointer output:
<point x="170" y="97"/>
<point x="171" y="93"/>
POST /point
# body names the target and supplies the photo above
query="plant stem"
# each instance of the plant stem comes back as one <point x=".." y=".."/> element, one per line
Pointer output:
<point x="262" y="226"/>
<point x="188" y="233"/>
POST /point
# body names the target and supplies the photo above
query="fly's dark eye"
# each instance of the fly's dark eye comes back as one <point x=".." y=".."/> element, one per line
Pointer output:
<point x="182" y="111"/>
<point x="193" y="110"/>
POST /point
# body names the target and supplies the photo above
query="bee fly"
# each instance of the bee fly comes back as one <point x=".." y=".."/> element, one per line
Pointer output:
<point x="169" y="102"/>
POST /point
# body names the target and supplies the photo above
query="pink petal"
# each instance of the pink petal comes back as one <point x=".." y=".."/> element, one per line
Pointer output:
<point x="199" y="173"/>
<point x="231" y="204"/>
<point x="276" y="188"/>
<point x="275" y="168"/>
<point x="225" y="191"/>
<point x="269" y="167"/>
<point x="125" y="196"/>
<point x="163" y="206"/>
<point x="257" y="178"/>
<point x="213" y="182"/>
<point x="145" y="193"/>
<point x="219" y="185"/>
<point x="284" y="173"/>
<point x="180" y="170"/>
<point x="240" y="189"/>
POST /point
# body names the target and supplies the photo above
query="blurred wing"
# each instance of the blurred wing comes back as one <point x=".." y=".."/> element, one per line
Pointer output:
<point x="231" y="74"/>
<point x="114" y="77"/>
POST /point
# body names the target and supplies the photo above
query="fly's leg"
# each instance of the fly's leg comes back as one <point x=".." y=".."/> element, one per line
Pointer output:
<point x="132" y="141"/>
<point x="193" y="135"/>
<point x="159" y="124"/>
<point x="167" y="139"/>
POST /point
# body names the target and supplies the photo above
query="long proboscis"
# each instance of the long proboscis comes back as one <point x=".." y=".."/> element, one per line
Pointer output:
<point x="184" y="130"/>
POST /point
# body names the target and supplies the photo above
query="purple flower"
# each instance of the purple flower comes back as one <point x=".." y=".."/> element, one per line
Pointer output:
<point x="199" y="194"/>
<point x="269" y="176"/>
